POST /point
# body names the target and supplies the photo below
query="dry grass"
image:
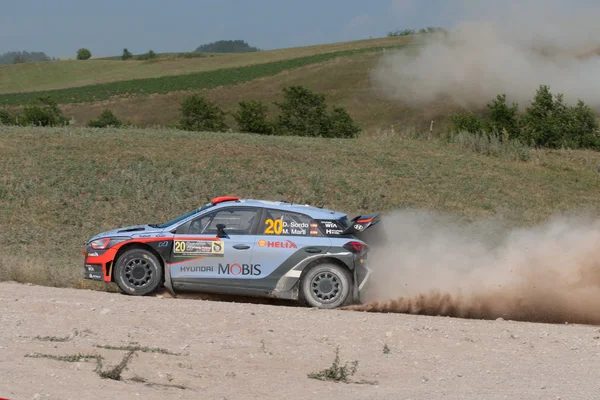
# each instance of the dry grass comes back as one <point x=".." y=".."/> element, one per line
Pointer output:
<point x="345" y="82"/>
<point x="63" y="74"/>
<point x="59" y="187"/>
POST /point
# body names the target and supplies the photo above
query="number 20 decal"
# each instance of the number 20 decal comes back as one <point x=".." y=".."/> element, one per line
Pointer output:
<point x="179" y="247"/>
<point x="274" y="227"/>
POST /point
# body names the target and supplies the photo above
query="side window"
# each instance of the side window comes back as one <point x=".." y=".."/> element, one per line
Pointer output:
<point x="237" y="221"/>
<point x="283" y="223"/>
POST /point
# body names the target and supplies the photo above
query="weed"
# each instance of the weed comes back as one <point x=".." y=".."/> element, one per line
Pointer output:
<point x="53" y="338"/>
<point x="386" y="349"/>
<point x="70" y="358"/>
<point x="336" y="372"/>
<point x="135" y="347"/>
<point x="115" y="372"/>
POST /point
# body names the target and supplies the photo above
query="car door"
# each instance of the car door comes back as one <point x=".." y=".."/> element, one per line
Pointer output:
<point x="284" y="239"/>
<point x="200" y="258"/>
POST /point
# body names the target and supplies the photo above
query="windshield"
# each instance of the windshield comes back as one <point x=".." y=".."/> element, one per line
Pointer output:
<point x="182" y="217"/>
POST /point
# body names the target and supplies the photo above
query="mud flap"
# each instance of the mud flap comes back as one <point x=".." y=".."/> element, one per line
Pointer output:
<point x="355" y="292"/>
<point x="168" y="283"/>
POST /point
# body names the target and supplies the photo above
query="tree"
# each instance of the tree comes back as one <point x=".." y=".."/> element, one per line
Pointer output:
<point x="106" y="119"/>
<point x="17" y="57"/>
<point x="199" y="114"/>
<point x="226" y="46"/>
<point x="126" y="54"/>
<point x="44" y="112"/>
<point x="502" y="117"/>
<point x="83" y="54"/>
<point x="303" y="112"/>
<point x="342" y="125"/>
<point x="252" y="117"/>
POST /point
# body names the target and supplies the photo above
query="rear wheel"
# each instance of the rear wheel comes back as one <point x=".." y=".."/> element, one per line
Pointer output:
<point x="138" y="272"/>
<point x="326" y="286"/>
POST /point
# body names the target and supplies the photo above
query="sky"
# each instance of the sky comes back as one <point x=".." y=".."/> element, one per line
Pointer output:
<point x="60" y="27"/>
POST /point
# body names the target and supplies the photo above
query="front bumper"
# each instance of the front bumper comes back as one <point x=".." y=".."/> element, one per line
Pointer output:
<point x="93" y="272"/>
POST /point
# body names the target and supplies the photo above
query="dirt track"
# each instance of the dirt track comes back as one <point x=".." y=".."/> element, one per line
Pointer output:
<point x="251" y="351"/>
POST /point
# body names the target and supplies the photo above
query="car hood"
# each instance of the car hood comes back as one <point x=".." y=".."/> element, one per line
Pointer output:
<point x="130" y="231"/>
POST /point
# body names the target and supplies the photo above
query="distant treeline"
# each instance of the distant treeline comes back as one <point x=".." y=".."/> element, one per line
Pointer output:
<point x="407" y="32"/>
<point x="226" y="46"/>
<point x="17" y="57"/>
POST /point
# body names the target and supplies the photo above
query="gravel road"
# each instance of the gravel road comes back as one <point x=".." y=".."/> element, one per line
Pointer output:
<point x="202" y="349"/>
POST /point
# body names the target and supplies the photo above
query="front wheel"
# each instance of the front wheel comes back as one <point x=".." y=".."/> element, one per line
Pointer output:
<point x="326" y="286"/>
<point x="138" y="272"/>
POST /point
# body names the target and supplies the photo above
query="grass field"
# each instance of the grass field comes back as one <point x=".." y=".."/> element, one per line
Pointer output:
<point x="344" y="81"/>
<point x="166" y="84"/>
<point x="58" y="187"/>
<point x="31" y="77"/>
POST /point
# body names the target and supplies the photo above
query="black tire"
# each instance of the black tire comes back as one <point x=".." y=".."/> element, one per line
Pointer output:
<point x="326" y="286"/>
<point x="138" y="272"/>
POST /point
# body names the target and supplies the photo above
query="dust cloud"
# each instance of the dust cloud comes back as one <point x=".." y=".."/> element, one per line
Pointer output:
<point x="431" y="264"/>
<point x="509" y="47"/>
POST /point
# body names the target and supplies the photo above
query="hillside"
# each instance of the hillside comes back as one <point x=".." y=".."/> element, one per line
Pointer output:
<point x="73" y="73"/>
<point x="61" y="186"/>
<point x="344" y="81"/>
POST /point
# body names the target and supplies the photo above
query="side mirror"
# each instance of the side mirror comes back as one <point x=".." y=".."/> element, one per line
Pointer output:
<point x="221" y="230"/>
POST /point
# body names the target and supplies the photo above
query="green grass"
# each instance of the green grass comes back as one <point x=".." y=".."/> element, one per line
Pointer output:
<point x="43" y="76"/>
<point x="59" y="187"/>
<point x="166" y="84"/>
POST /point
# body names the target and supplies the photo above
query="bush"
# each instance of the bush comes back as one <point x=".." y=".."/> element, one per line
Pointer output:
<point x="106" y="119"/>
<point x="199" y="114"/>
<point x="465" y="122"/>
<point x="304" y="113"/>
<point x="252" y="117"/>
<point x="126" y="54"/>
<point x="84" y="54"/>
<point x="503" y="118"/>
<point x="147" y="56"/>
<point x="6" y="118"/>
<point x="549" y="122"/>
<point x="44" y="113"/>
<point x="342" y="125"/>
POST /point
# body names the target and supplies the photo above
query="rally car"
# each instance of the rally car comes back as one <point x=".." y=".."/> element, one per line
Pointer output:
<point x="240" y="247"/>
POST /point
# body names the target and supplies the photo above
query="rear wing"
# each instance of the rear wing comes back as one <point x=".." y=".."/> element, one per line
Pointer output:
<point x="361" y="223"/>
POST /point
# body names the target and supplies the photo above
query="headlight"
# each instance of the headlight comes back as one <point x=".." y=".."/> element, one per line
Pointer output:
<point x="100" y="244"/>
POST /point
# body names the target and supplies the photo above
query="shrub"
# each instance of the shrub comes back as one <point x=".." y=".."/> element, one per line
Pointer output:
<point x="199" y="114"/>
<point x="546" y="122"/>
<point x="304" y="113"/>
<point x="106" y="119"/>
<point x="126" y="54"/>
<point x="467" y="122"/>
<point x="342" y="125"/>
<point x="84" y="54"/>
<point x="549" y="122"/>
<point x="252" y="117"/>
<point x="503" y="118"/>
<point x="44" y="113"/>
<point x="147" y="56"/>
<point x="6" y="118"/>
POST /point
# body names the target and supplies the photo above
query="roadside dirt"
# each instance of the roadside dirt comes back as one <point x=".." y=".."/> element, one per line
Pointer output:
<point x="202" y="349"/>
